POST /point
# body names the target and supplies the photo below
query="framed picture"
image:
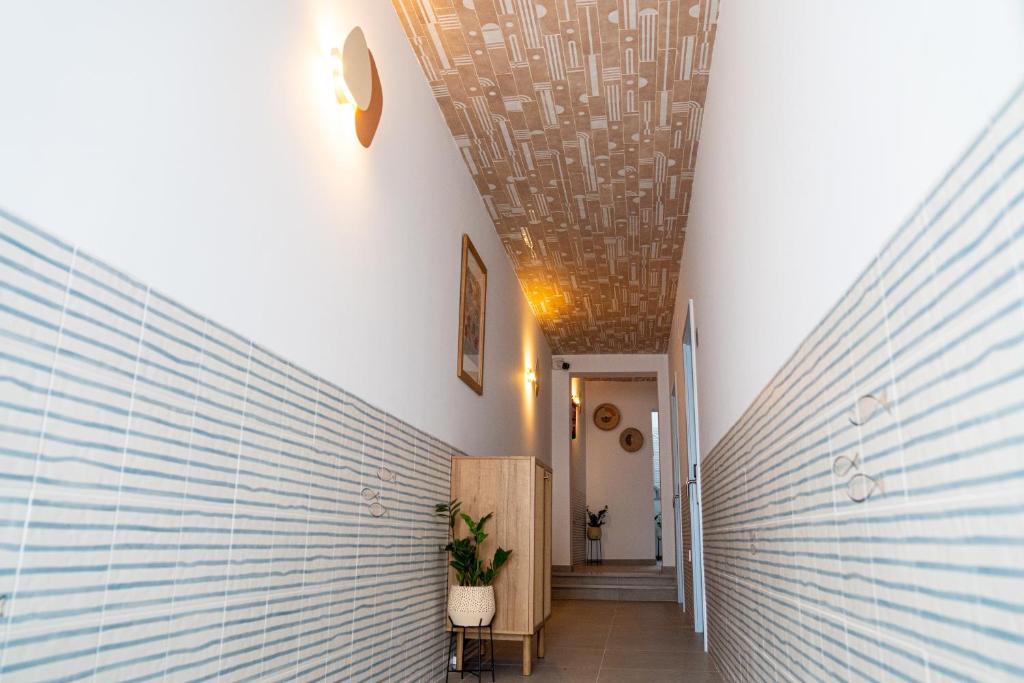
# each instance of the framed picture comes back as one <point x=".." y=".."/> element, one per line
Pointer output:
<point x="472" y="310"/>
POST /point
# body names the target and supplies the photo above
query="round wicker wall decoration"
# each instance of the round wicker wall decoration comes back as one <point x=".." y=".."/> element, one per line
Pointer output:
<point x="607" y="416"/>
<point x="631" y="440"/>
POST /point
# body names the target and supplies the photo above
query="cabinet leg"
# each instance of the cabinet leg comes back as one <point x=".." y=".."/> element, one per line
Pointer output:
<point x="460" y="642"/>
<point x="540" y="642"/>
<point x="527" y="655"/>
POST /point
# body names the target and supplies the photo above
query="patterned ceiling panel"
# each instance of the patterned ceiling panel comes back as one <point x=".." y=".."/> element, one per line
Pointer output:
<point x="579" y="122"/>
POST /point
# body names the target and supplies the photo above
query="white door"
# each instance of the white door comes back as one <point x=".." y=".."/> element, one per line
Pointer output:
<point x="677" y="508"/>
<point x="693" y="474"/>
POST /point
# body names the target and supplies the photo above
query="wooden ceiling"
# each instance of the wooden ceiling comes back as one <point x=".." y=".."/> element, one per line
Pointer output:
<point x="579" y="122"/>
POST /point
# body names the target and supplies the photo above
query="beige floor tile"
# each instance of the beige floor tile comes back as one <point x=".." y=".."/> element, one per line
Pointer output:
<point x="651" y="676"/>
<point x="546" y="673"/>
<point x="672" y="661"/>
<point x="592" y="637"/>
<point x="589" y="641"/>
<point x="580" y="657"/>
<point x="626" y="638"/>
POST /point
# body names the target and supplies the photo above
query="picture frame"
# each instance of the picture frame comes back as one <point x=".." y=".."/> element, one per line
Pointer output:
<point x="472" y="317"/>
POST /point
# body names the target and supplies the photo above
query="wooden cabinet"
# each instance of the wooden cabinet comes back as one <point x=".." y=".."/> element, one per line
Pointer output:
<point x="517" y="489"/>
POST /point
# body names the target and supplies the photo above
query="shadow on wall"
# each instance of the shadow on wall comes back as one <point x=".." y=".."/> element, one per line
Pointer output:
<point x="865" y="511"/>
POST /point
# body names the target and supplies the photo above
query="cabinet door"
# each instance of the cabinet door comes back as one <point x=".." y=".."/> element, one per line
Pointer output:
<point x="501" y="486"/>
<point x="547" y="544"/>
<point x="540" y="574"/>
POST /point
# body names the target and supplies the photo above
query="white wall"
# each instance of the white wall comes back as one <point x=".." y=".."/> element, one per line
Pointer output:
<point x="578" y="476"/>
<point x="826" y="123"/>
<point x="622" y="481"/>
<point x="593" y="366"/>
<point x="198" y="146"/>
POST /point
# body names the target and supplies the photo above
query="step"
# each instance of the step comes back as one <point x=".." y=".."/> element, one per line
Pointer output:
<point x="577" y="579"/>
<point x="561" y="591"/>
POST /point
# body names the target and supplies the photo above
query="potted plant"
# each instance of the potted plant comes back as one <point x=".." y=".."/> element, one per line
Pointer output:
<point x="596" y="520"/>
<point x="471" y="601"/>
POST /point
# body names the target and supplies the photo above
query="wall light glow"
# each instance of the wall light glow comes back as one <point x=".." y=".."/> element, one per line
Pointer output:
<point x="531" y="381"/>
<point x="341" y="91"/>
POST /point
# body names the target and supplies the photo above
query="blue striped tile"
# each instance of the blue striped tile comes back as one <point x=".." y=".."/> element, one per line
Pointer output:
<point x="924" y="579"/>
<point x="179" y="503"/>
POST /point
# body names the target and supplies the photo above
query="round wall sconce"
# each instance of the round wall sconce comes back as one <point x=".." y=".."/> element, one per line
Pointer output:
<point x="357" y="82"/>
<point x="353" y="81"/>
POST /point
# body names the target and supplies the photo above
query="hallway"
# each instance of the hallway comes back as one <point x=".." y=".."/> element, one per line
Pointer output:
<point x="615" y="642"/>
<point x="329" y="328"/>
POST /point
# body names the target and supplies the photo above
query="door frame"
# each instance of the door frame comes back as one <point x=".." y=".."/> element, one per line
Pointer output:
<point x="694" y="473"/>
<point x="677" y="490"/>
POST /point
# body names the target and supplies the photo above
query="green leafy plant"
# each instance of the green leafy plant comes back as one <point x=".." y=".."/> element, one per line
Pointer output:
<point x="465" y="552"/>
<point x="599" y="518"/>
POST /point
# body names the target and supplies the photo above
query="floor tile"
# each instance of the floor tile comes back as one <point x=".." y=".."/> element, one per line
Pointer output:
<point x="590" y="637"/>
<point x="672" y="661"/>
<point x="632" y="638"/>
<point x="545" y="673"/>
<point x="590" y="641"/>
<point x="651" y="676"/>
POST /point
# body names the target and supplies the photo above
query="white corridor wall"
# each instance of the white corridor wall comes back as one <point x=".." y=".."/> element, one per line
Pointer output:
<point x="825" y="124"/>
<point x="198" y="146"/>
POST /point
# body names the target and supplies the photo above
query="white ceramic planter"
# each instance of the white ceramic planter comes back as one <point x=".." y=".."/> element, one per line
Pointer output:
<point x="471" y="605"/>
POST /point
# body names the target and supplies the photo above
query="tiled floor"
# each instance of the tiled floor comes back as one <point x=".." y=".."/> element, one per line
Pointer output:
<point x="613" y="642"/>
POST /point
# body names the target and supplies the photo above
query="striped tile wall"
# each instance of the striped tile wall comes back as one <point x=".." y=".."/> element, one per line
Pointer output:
<point x="913" y="383"/>
<point x="687" y="526"/>
<point x="178" y="503"/>
<point x="578" y="533"/>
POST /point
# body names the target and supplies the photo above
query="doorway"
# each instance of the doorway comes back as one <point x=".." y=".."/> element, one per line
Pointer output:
<point x="656" y="471"/>
<point x="693" y="473"/>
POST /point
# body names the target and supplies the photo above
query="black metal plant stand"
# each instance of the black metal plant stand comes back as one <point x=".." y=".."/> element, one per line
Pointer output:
<point x="471" y="648"/>
<point x="594" y="554"/>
